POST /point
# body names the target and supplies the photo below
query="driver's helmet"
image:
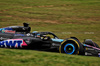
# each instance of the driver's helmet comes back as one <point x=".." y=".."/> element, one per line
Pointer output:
<point x="36" y="35"/>
<point x="34" y="31"/>
<point x="7" y="30"/>
<point x="1" y="30"/>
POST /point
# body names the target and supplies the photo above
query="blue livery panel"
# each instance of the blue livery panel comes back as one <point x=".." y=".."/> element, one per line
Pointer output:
<point x="58" y="40"/>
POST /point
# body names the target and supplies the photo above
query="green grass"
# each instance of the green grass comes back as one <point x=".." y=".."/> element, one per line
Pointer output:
<point x="16" y="57"/>
<point x="65" y="18"/>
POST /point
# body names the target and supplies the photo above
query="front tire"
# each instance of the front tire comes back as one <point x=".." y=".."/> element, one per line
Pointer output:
<point x="72" y="46"/>
<point x="69" y="48"/>
<point x="90" y="42"/>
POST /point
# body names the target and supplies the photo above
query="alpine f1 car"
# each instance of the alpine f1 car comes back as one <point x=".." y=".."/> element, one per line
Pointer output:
<point x="21" y="37"/>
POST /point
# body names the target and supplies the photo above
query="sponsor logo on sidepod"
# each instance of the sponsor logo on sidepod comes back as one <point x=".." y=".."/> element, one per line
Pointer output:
<point x="11" y="43"/>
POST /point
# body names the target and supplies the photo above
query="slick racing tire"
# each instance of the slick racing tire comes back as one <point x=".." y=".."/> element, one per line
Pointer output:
<point x="71" y="47"/>
<point x="96" y="45"/>
<point x="90" y="42"/>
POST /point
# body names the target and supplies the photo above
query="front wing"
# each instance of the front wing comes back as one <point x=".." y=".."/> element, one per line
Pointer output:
<point x="91" y="51"/>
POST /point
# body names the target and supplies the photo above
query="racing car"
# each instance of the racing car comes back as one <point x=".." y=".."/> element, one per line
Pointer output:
<point x="21" y="37"/>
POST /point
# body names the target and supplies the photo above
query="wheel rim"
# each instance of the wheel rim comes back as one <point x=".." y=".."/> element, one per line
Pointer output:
<point x="69" y="48"/>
